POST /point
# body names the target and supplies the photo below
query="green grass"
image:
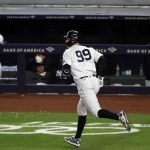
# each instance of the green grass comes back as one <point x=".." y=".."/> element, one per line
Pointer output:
<point x="134" y="141"/>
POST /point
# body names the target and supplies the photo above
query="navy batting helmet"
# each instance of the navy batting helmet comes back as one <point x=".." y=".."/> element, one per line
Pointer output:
<point x="72" y="37"/>
<point x="72" y="34"/>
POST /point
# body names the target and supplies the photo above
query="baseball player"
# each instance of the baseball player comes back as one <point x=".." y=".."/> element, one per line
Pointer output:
<point x="79" y="61"/>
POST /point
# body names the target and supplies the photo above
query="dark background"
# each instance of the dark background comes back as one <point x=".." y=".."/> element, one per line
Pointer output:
<point x="42" y="31"/>
<point x="92" y="31"/>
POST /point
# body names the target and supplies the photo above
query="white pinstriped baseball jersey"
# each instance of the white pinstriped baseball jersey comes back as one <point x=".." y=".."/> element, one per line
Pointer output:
<point x="82" y="61"/>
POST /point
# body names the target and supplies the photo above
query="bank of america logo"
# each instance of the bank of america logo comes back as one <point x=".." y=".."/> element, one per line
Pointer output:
<point x="112" y="49"/>
<point x="49" y="49"/>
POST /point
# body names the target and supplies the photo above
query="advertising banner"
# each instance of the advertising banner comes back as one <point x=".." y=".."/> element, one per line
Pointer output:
<point x="60" y="48"/>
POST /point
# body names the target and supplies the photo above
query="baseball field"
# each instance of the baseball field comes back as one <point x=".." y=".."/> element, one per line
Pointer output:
<point x="45" y="129"/>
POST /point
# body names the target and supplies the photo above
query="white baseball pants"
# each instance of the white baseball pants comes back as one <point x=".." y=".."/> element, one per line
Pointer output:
<point x="88" y="88"/>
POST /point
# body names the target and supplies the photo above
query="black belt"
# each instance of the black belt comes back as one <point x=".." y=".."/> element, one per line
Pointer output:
<point x="87" y="76"/>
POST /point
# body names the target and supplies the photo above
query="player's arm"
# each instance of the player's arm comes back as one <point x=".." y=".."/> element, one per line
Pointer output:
<point x="100" y="62"/>
<point x="66" y="64"/>
<point x="101" y="66"/>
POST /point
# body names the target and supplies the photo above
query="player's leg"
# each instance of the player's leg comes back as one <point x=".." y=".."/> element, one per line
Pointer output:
<point x="82" y="112"/>
<point x="93" y="106"/>
<point x="104" y="113"/>
<point x="122" y="117"/>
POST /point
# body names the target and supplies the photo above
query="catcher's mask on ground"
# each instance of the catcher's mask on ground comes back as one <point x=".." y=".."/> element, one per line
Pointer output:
<point x="72" y="37"/>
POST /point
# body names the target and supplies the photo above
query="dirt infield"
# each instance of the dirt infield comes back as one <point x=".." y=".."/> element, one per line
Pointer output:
<point x="68" y="103"/>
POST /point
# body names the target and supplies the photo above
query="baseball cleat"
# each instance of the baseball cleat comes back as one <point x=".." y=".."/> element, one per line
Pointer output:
<point x="73" y="141"/>
<point x="124" y="120"/>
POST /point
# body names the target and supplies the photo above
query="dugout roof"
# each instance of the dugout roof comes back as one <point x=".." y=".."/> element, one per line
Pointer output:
<point x="23" y="10"/>
<point x="75" y="7"/>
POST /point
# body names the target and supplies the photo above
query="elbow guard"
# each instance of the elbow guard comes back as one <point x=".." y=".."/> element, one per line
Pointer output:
<point x="66" y="70"/>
